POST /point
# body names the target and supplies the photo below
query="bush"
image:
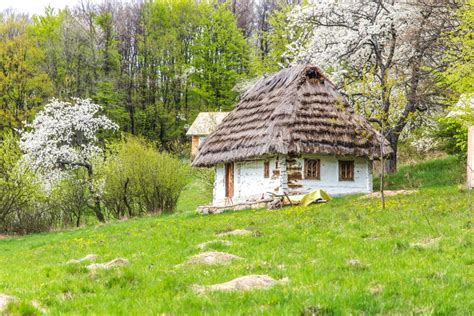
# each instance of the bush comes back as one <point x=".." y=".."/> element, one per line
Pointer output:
<point x="453" y="128"/>
<point x="71" y="199"/>
<point x="140" y="180"/>
<point x="453" y="136"/>
<point x="206" y="177"/>
<point x="22" y="207"/>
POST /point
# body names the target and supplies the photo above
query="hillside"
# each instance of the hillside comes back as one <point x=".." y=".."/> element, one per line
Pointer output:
<point x="347" y="256"/>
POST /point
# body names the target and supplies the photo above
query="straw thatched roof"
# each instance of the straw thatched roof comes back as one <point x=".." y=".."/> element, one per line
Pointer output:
<point x="292" y="112"/>
<point x="206" y="122"/>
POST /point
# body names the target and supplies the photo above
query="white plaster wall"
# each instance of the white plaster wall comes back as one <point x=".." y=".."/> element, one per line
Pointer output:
<point x="249" y="182"/>
<point x="329" y="179"/>
<point x="218" y="195"/>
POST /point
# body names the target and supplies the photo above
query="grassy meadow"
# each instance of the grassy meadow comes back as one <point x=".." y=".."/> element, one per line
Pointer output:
<point x="416" y="257"/>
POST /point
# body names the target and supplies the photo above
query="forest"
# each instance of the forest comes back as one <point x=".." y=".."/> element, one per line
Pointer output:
<point x="152" y="65"/>
<point x="139" y="72"/>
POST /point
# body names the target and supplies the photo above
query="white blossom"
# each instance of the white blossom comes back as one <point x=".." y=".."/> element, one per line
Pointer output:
<point x="335" y="34"/>
<point x="63" y="136"/>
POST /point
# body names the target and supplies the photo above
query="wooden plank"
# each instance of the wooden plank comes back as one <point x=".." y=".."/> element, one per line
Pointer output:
<point x="283" y="175"/>
<point x="470" y="158"/>
<point x="229" y="180"/>
<point x="194" y="145"/>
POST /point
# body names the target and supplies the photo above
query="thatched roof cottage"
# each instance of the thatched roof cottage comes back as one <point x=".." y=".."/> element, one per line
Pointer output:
<point x="204" y="124"/>
<point x="292" y="132"/>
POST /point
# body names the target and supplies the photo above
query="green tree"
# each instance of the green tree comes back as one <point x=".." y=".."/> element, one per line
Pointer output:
<point x="220" y="58"/>
<point x="23" y="85"/>
<point x="460" y="52"/>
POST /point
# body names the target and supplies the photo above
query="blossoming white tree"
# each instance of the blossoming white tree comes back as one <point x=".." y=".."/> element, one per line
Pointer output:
<point x="385" y="53"/>
<point x="63" y="137"/>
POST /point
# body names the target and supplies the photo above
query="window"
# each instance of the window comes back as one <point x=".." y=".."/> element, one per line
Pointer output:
<point x="201" y="140"/>
<point x="266" y="169"/>
<point x="312" y="169"/>
<point x="346" y="170"/>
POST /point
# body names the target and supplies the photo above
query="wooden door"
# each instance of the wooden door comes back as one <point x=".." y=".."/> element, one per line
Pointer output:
<point x="229" y="180"/>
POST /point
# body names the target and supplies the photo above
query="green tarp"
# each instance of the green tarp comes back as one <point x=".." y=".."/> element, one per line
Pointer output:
<point x="316" y="196"/>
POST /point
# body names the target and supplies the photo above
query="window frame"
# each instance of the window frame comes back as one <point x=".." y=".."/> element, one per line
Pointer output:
<point x="266" y="169"/>
<point x="307" y="162"/>
<point x="343" y="170"/>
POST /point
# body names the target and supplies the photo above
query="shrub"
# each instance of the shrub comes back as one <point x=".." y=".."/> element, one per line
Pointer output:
<point x="22" y="207"/>
<point x="453" y="128"/>
<point x="71" y="199"/>
<point x="453" y="136"/>
<point x="140" y="180"/>
<point x="206" y="177"/>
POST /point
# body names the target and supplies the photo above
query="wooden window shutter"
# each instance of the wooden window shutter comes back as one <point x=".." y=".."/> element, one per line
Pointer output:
<point x="312" y="169"/>
<point x="266" y="169"/>
<point x="346" y="170"/>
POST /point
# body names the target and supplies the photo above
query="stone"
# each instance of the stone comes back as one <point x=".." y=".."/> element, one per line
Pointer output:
<point x="244" y="283"/>
<point x="235" y="232"/>
<point x="426" y="243"/>
<point x="376" y="289"/>
<point x="39" y="307"/>
<point x="212" y="257"/>
<point x="108" y="265"/>
<point x="5" y="300"/>
<point x="356" y="263"/>
<point x="90" y="257"/>
<point x="214" y="242"/>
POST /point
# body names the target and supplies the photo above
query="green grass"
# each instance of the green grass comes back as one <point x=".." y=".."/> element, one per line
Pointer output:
<point x="310" y="246"/>
<point x="432" y="173"/>
<point x="193" y="195"/>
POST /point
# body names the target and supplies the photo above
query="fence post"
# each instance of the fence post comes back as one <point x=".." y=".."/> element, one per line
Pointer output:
<point x="470" y="158"/>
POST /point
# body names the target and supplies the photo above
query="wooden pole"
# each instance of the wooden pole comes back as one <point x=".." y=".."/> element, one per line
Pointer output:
<point x="382" y="165"/>
<point x="470" y="158"/>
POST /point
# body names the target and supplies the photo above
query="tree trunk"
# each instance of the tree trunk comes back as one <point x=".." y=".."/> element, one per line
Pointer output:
<point x="391" y="162"/>
<point x="97" y="208"/>
<point x="78" y="220"/>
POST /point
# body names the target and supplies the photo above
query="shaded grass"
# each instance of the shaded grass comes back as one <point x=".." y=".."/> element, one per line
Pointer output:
<point x="310" y="246"/>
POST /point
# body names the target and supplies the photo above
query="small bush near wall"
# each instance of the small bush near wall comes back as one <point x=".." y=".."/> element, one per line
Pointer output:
<point x="139" y="180"/>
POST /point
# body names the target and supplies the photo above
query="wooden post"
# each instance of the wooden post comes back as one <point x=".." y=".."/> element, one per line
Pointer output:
<point x="382" y="165"/>
<point x="283" y="175"/>
<point x="470" y="158"/>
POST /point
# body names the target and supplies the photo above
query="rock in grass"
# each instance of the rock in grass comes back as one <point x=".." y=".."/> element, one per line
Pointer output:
<point x="376" y="289"/>
<point x="244" y="283"/>
<point x="5" y="300"/>
<point x="356" y="263"/>
<point x="214" y="242"/>
<point x="426" y="243"/>
<point x="39" y="307"/>
<point x="235" y="232"/>
<point x="107" y="265"/>
<point x="90" y="257"/>
<point x="212" y="257"/>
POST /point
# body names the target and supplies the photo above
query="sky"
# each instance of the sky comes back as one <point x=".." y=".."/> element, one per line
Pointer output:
<point x="35" y="6"/>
